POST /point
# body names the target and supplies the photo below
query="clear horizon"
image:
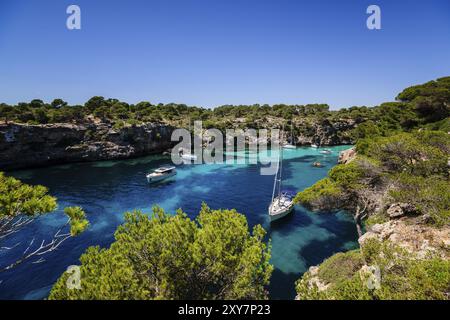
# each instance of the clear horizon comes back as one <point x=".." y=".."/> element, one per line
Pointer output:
<point x="207" y="54"/>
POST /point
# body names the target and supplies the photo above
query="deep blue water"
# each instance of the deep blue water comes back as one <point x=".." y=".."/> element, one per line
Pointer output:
<point x="107" y="189"/>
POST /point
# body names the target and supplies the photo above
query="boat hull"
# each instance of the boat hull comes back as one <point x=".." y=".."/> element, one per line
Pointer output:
<point x="155" y="179"/>
<point x="189" y="157"/>
<point x="281" y="215"/>
<point x="277" y="211"/>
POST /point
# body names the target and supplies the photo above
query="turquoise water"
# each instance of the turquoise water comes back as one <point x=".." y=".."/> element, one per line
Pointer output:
<point x="107" y="189"/>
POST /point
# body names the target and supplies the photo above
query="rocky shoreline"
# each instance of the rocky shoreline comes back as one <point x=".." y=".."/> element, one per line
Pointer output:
<point x="401" y="226"/>
<point x="26" y="145"/>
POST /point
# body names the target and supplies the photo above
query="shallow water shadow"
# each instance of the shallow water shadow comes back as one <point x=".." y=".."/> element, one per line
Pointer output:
<point x="282" y="285"/>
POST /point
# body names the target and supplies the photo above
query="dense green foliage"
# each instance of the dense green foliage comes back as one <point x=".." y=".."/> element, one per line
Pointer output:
<point x="429" y="196"/>
<point x="431" y="100"/>
<point x="416" y="154"/>
<point x="20" y="204"/>
<point x="77" y="220"/>
<point x="414" y="164"/>
<point x="120" y="113"/>
<point x="402" y="276"/>
<point x="173" y="257"/>
<point x="414" y="108"/>
<point x="323" y="194"/>
<point x="403" y="158"/>
<point x="342" y="187"/>
<point x="17" y="198"/>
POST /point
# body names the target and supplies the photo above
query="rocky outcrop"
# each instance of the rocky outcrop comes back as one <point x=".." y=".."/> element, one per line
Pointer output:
<point x="315" y="280"/>
<point x="419" y="239"/>
<point x="326" y="132"/>
<point x="23" y="145"/>
<point x="397" y="210"/>
<point x="347" y="156"/>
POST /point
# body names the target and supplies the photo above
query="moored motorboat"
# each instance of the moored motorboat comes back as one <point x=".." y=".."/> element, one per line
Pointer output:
<point x="325" y="151"/>
<point x="289" y="146"/>
<point x="161" y="174"/>
<point x="314" y="145"/>
<point x="290" y="143"/>
<point x="188" y="156"/>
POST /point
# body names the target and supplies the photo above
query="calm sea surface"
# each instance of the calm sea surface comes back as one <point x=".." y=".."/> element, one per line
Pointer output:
<point x="107" y="189"/>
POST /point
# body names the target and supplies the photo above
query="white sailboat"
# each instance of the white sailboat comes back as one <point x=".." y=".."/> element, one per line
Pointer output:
<point x="282" y="203"/>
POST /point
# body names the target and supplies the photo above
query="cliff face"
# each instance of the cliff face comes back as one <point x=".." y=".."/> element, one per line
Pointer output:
<point x="23" y="145"/>
<point x="326" y="133"/>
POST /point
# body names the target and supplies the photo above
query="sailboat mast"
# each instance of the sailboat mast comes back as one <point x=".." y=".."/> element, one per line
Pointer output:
<point x="276" y="177"/>
<point x="281" y="166"/>
<point x="292" y="133"/>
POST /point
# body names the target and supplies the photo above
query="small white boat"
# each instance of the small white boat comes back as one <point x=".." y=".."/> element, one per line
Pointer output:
<point x="314" y="145"/>
<point x="161" y="174"/>
<point x="189" y="157"/>
<point x="289" y="143"/>
<point x="186" y="155"/>
<point x="280" y="207"/>
<point x="326" y="151"/>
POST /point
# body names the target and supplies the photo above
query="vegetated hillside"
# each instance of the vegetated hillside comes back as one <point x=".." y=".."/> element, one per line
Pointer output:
<point x="397" y="187"/>
<point x="415" y="105"/>
<point x="39" y="133"/>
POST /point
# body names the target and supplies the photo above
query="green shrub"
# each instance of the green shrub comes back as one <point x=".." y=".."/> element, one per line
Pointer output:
<point x="340" y="266"/>
<point x="402" y="275"/>
<point x="429" y="196"/>
<point x="173" y="257"/>
<point x="323" y="192"/>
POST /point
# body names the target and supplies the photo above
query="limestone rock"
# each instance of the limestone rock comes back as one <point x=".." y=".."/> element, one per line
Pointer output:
<point x="347" y="156"/>
<point x="325" y="132"/>
<point x="24" y="145"/>
<point x="416" y="238"/>
<point x="397" y="210"/>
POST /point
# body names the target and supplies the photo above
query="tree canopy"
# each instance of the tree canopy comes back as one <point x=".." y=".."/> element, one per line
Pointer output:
<point x="20" y="204"/>
<point x="173" y="257"/>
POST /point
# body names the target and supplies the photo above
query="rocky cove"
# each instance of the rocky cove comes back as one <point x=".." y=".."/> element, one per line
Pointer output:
<point x="23" y="145"/>
<point x="27" y="145"/>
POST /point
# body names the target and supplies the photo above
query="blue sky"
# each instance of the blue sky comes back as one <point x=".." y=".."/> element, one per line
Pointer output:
<point x="214" y="52"/>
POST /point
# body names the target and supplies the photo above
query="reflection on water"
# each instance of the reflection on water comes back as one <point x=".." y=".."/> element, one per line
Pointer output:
<point x="107" y="189"/>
